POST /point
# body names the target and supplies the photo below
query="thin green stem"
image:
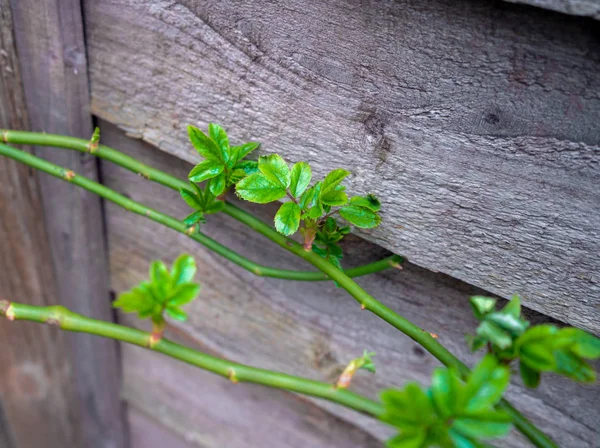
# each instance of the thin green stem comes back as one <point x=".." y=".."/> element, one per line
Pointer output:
<point x="367" y="302"/>
<point x="70" y="321"/>
<point x="175" y="224"/>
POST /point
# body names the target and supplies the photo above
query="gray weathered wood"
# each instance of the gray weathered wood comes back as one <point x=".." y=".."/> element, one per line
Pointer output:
<point x="209" y="411"/>
<point x="586" y="8"/>
<point x="148" y="433"/>
<point x="37" y="398"/>
<point x="50" y="44"/>
<point x="309" y="329"/>
<point x="477" y="125"/>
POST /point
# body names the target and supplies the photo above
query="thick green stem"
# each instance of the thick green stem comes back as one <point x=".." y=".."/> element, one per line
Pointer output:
<point x="70" y="321"/>
<point x="367" y="302"/>
<point x="179" y="226"/>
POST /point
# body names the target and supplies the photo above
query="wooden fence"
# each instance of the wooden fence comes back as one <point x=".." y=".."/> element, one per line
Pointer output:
<point x="475" y="122"/>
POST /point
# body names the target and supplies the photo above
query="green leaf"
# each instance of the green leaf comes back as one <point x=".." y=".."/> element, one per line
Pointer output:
<point x="239" y="152"/>
<point x="446" y="391"/>
<point x="360" y="216"/>
<point x="176" y="313"/>
<point x="310" y="198"/>
<point x="333" y="179"/>
<point x="287" y="219"/>
<point x="531" y="377"/>
<point x="257" y="188"/>
<point x="248" y="166"/>
<point x="206" y="147"/>
<point x="579" y="342"/>
<point x="486" y="384"/>
<point x="206" y="170"/>
<point x="538" y="356"/>
<point x="335" y="197"/>
<point x="190" y="199"/>
<point x="184" y="293"/>
<point x="508" y="322"/>
<point x="214" y="207"/>
<point x="194" y="218"/>
<point x="484" y="425"/>
<point x="219" y="136"/>
<point x="493" y="333"/>
<point x="369" y="201"/>
<point x="217" y="184"/>
<point x="135" y="301"/>
<point x="574" y="367"/>
<point x="410" y="406"/>
<point x="160" y="280"/>
<point x="300" y="178"/>
<point x="236" y="176"/>
<point x="183" y="270"/>
<point x="414" y="439"/>
<point x="275" y="169"/>
<point x="482" y="305"/>
<point x="513" y="307"/>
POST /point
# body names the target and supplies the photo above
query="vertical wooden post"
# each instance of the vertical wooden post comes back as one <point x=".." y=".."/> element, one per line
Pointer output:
<point x="57" y="389"/>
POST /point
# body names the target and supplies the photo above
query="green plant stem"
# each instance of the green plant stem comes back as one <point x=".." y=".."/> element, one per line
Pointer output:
<point x="70" y="321"/>
<point x="368" y="302"/>
<point x="179" y="226"/>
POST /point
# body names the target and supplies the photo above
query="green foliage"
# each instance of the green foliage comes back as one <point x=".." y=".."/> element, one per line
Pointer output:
<point x="541" y="348"/>
<point x="275" y="180"/>
<point x="202" y="201"/>
<point x="326" y="241"/>
<point x="166" y="292"/>
<point x="450" y="413"/>
<point x="223" y="165"/>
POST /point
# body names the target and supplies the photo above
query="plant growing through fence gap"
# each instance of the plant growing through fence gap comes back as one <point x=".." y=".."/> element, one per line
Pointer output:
<point x="451" y="419"/>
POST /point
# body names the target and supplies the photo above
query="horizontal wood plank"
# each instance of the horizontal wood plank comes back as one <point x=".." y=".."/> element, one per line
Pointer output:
<point x="308" y="329"/>
<point x="475" y="122"/>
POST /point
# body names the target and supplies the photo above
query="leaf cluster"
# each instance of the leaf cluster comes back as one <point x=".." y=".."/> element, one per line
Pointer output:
<point x="202" y="201"/>
<point x="540" y="348"/>
<point x="223" y="165"/>
<point x="165" y="292"/>
<point x="451" y="413"/>
<point x="275" y="180"/>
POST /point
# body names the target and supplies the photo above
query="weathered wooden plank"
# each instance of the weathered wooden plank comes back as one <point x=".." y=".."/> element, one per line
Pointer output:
<point x="209" y="411"/>
<point x="147" y="433"/>
<point x="310" y="329"/>
<point x="479" y="134"/>
<point x="35" y="369"/>
<point x="50" y="44"/>
<point x="586" y="8"/>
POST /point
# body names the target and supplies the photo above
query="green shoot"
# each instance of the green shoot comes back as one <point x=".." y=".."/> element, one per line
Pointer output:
<point x="312" y="206"/>
<point x="541" y="348"/>
<point x="165" y="292"/>
<point x="223" y="165"/>
<point x="364" y="362"/>
<point x="450" y="413"/>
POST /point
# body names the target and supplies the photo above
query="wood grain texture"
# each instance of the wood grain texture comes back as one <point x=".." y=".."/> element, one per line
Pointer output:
<point x="35" y="367"/>
<point x="308" y="329"/>
<point x="208" y="411"/>
<point x="585" y="8"/>
<point x="50" y="44"/>
<point x="475" y="122"/>
<point x="148" y="433"/>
